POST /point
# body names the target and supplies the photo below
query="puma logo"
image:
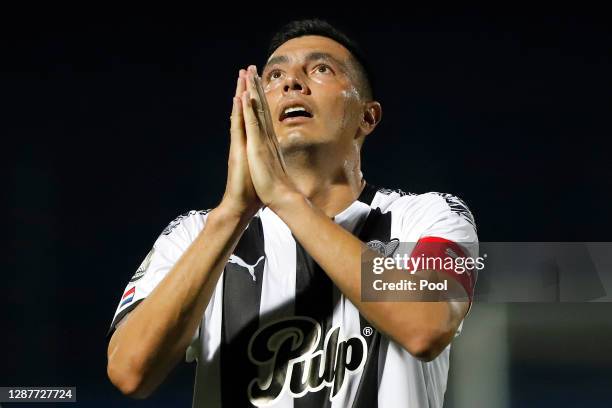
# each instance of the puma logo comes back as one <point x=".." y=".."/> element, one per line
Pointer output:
<point x="240" y="262"/>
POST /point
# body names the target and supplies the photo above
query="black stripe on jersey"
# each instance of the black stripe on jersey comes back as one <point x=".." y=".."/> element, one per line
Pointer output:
<point x="367" y="194"/>
<point x="314" y="297"/>
<point x="240" y="316"/>
<point x="120" y="316"/>
<point x="367" y="390"/>
<point x="376" y="226"/>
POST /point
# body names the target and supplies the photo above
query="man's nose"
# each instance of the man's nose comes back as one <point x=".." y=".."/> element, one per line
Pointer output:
<point x="295" y="83"/>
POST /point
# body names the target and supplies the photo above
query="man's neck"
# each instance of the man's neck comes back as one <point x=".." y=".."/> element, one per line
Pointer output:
<point x="332" y="189"/>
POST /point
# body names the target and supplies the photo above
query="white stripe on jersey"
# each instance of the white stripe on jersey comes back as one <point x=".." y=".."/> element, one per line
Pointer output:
<point x="242" y="308"/>
<point x="278" y="288"/>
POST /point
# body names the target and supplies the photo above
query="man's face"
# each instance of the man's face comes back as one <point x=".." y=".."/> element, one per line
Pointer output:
<point x="314" y="73"/>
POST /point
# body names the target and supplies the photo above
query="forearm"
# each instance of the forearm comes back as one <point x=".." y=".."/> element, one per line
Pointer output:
<point x="422" y="328"/>
<point x="156" y="334"/>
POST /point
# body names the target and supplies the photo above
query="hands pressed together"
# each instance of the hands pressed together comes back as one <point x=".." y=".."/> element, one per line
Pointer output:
<point x="257" y="175"/>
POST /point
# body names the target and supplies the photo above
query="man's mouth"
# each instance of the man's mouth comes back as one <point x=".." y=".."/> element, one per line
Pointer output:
<point x="294" y="111"/>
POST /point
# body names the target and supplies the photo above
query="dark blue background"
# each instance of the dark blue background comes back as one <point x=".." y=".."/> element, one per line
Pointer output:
<point x="114" y="123"/>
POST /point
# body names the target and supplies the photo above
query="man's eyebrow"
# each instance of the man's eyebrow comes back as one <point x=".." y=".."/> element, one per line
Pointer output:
<point x="313" y="56"/>
<point x="318" y="56"/>
<point x="279" y="59"/>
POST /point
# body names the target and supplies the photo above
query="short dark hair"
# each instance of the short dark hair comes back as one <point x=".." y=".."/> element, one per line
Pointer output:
<point x="300" y="28"/>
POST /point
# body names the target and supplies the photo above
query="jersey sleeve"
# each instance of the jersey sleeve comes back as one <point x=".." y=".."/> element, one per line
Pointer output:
<point x="166" y="251"/>
<point x="441" y="225"/>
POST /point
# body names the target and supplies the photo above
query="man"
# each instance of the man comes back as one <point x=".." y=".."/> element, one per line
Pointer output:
<point x="264" y="290"/>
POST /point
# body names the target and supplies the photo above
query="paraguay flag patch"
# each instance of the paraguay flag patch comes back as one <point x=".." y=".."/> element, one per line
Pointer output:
<point x="128" y="296"/>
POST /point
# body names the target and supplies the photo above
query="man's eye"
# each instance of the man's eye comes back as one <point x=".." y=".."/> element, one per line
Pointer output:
<point x="274" y="75"/>
<point x="323" y="69"/>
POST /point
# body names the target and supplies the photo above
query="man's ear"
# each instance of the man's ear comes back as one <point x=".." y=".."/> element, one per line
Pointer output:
<point x="371" y="116"/>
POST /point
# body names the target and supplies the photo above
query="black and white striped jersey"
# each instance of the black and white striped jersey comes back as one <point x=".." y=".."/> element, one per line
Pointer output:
<point x="278" y="333"/>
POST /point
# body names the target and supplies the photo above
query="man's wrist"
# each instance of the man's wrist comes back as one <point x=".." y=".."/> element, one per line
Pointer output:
<point x="227" y="214"/>
<point x="285" y="202"/>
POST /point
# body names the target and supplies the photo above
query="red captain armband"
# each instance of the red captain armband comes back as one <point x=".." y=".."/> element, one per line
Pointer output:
<point x="440" y="254"/>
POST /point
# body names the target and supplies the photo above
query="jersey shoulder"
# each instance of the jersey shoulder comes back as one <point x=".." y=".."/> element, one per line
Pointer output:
<point x="189" y="223"/>
<point x="385" y="197"/>
<point x="400" y="201"/>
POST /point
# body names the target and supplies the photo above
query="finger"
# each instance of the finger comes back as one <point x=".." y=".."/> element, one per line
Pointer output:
<point x="250" y="86"/>
<point x="237" y="130"/>
<point x="264" y="117"/>
<point x="269" y="125"/>
<point x="237" y="123"/>
<point x="241" y="85"/>
<point x="251" y="122"/>
<point x="255" y="97"/>
<point x="238" y="84"/>
<point x="261" y="109"/>
<point x="236" y="117"/>
<point x="255" y="103"/>
<point x="265" y="124"/>
<point x="259" y="92"/>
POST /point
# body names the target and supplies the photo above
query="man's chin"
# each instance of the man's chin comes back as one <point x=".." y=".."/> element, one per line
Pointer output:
<point x="296" y="141"/>
<point x="293" y="136"/>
